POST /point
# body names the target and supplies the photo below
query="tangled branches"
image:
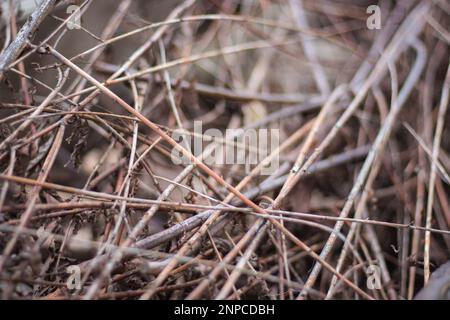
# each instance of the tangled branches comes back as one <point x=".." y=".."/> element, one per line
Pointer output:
<point x="224" y="149"/>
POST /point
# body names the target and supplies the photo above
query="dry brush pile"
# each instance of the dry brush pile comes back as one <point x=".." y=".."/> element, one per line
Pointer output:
<point x="93" y="205"/>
